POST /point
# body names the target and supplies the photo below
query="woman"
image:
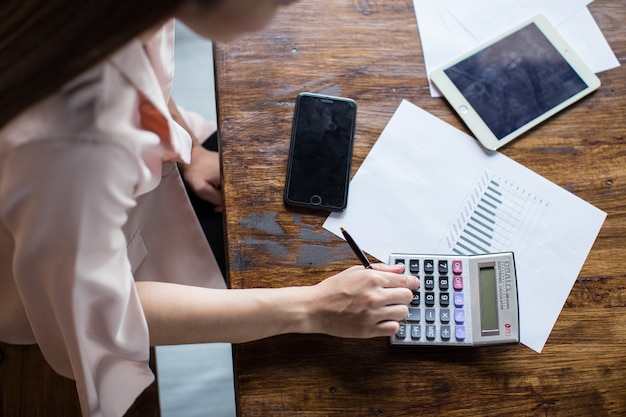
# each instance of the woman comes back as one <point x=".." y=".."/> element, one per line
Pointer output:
<point x="100" y="253"/>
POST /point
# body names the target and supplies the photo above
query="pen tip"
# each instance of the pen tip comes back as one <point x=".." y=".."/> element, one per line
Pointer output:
<point x="342" y="229"/>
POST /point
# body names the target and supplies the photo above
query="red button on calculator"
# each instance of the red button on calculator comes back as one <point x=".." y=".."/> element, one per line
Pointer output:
<point x="457" y="282"/>
<point x="457" y="267"/>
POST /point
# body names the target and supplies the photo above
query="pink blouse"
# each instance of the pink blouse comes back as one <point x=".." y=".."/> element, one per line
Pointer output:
<point x="88" y="206"/>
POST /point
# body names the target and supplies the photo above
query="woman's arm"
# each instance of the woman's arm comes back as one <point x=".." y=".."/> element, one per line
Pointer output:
<point x="354" y="303"/>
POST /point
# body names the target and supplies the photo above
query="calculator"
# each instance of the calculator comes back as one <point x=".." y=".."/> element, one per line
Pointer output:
<point x="462" y="300"/>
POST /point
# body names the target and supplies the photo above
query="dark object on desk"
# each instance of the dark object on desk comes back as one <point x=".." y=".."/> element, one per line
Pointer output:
<point x="320" y="155"/>
<point x="355" y="248"/>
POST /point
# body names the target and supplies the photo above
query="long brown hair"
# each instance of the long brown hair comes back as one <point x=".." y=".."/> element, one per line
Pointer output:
<point x="45" y="43"/>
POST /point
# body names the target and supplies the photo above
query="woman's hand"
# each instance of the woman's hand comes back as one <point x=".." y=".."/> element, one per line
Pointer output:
<point x="361" y="302"/>
<point x="202" y="175"/>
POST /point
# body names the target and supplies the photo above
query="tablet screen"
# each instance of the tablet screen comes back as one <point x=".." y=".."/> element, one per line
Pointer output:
<point x="515" y="80"/>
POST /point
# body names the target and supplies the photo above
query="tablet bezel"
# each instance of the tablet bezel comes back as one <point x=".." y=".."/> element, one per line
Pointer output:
<point x="473" y="120"/>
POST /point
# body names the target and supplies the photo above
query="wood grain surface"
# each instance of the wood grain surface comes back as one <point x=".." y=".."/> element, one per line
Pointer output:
<point x="369" y="50"/>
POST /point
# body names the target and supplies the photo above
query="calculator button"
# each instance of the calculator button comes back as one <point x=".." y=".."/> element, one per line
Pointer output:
<point x="459" y="316"/>
<point x="429" y="282"/>
<point x="400" y="261"/>
<point x="443" y="267"/>
<point x="443" y="283"/>
<point x="444" y="299"/>
<point x="444" y="315"/>
<point x="457" y="282"/>
<point x="431" y="331"/>
<point x="414" y="314"/>
<point x="414" y="266"/>
<point x="416" y="298"/>
<point x="459" y="332"/>
<point x="401" y="332"/>
<point x="459" y="299"/>
<point x="430" y="315"/>
<point x="429" y="266"/>
<point x="429" y="299"/>
<point x="457" y="267"/>
<point x="445" y="332"/>
<point x="416" y="332"/>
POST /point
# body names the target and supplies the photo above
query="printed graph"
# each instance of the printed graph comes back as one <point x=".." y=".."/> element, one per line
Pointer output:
<point x="497" y="216"/>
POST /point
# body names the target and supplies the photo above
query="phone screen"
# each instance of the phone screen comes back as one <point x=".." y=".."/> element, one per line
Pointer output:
<point x="321" y="152"/>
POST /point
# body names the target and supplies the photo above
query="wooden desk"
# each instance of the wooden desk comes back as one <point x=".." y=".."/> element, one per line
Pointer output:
<point x="370" y="51"/>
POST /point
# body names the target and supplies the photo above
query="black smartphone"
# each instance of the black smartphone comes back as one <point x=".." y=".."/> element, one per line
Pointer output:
<point x="320" y="155"/>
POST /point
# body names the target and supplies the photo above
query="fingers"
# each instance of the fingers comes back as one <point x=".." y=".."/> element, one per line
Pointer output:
<point x="395" y="292"/>
<point x="396" y="268"/>
<point x="396" y="278"/>
<point x="387" y="328"/>
<point x="388" y="321"/>
<point x="400" y="280"/>
<point x="397" y="296"/>
<point x="394" y="313"/>
<point x="208" y="192"/>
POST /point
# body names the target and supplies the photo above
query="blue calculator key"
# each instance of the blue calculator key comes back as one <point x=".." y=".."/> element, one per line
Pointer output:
<point x="459" y="332"/>
<point x="459" y="316"/>
<point x="459" y="299"/>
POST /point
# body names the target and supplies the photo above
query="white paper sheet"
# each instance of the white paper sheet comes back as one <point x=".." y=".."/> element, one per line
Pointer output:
<point x="419" y="185"/>
<point x="449" y="28"/>
<point x="484" y="19"/>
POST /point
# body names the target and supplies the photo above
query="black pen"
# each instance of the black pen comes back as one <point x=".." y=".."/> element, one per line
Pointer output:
<point x="355" y="248"/>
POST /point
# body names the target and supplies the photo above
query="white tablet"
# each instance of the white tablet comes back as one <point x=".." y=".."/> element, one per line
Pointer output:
<point x="514" y="82"/>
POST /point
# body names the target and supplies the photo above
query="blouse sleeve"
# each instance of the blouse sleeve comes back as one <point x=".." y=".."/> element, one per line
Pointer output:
<point x="65" y="203"/>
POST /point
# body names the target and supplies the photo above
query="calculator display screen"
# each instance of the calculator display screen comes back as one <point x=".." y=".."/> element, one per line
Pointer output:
<point x="488" y="301"/>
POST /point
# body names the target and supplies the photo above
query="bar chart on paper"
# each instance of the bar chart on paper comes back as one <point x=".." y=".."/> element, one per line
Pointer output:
<point x="497" y="216"/>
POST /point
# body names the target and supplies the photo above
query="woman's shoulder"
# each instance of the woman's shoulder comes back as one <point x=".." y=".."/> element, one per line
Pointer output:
<point x="65" y="114"/>
<point x="98" y="105"/>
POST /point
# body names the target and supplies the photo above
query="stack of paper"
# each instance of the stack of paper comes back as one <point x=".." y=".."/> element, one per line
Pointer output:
<point x="448" y="28"/>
